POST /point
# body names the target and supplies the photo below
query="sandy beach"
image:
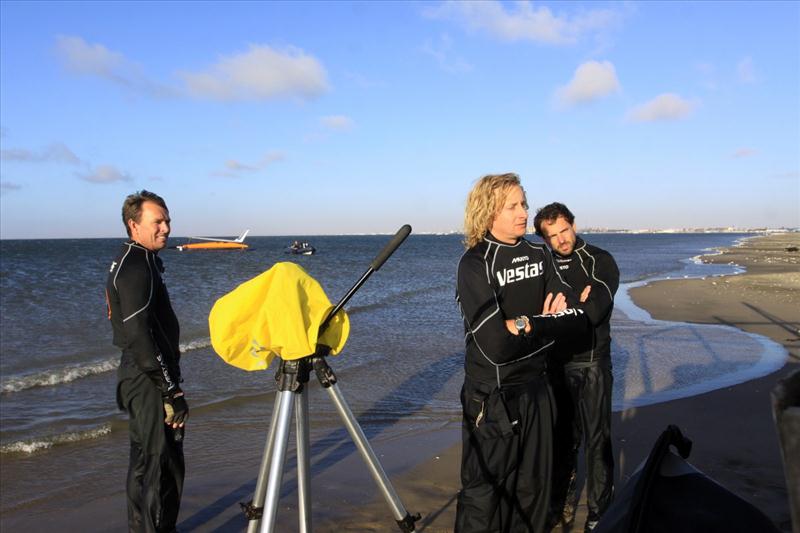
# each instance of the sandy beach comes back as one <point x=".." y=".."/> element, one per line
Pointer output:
<point x="732" y="429"/>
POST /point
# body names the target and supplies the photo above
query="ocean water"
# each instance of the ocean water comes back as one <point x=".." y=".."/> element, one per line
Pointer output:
<point x="401" y="370"/>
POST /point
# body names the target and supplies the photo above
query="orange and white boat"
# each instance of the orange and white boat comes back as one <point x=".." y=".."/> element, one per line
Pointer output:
<point x="215" y="244"/>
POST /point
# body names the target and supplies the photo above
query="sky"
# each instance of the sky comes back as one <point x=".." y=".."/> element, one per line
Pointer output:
<point x="337" y="117"/>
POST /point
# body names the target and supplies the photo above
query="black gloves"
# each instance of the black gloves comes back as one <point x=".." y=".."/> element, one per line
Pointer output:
<point x="175" y="408"/>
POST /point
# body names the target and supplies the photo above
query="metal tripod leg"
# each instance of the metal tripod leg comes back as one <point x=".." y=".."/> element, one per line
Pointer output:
<point x="303" y="461"/>
<point x="327" y="379"/>
<point x="367" y="453"/>
<point x="263" y="473"/>
<point x="291" y="377"/>
<point x="276" y="462"/>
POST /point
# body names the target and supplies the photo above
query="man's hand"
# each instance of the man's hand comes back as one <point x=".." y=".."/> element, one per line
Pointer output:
<point x="554" y="305"/>
<point x="585" y="293"/>
<point x="176" y="409"/>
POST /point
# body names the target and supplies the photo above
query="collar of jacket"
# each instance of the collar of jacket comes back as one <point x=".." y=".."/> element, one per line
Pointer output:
<point x="491" y="238"/>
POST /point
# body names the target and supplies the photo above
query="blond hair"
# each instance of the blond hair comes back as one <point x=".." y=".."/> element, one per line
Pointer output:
<point x="484" y="202"/>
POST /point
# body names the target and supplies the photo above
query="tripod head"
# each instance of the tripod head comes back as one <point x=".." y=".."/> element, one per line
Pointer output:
<point x="284" y="312"/>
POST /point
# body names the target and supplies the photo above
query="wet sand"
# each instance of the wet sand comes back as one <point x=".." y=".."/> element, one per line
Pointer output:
<point x="732" y="429"/>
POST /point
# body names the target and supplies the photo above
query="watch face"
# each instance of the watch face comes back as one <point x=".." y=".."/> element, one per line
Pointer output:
<point x="519" y="323"/>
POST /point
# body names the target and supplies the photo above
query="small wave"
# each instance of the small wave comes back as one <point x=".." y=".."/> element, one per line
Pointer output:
<point x="69" y="373"/>
<point x="727" y="269"/>
<point x="58" y="376"/>
<point x="42" y="443"/>
<point x="195" y="344"/>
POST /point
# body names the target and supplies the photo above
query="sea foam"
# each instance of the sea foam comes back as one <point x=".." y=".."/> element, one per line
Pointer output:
<point x="72" y="372"/>
<point x="42" y="443"/>
<point x="58" y="376"/>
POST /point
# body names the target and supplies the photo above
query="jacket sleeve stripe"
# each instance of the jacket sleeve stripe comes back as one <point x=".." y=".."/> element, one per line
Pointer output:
<point x="149" y="296"/>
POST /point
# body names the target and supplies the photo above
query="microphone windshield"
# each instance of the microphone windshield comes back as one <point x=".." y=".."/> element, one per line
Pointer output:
<point x="389" y="249"/>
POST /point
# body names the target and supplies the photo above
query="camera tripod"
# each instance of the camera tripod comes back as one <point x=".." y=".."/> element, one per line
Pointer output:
<point x="292" y="377"/>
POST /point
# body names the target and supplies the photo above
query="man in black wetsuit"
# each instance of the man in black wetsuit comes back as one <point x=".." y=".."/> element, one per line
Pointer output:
<point x="149" y="376"/>
<point x="581" y="375"/>
<point x="505" y="284"/>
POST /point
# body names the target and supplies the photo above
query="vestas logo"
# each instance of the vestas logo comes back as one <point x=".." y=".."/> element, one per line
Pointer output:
<point x="565" y="312"/>
<point x="510" y="275"/>
<point x="520" y="259"/>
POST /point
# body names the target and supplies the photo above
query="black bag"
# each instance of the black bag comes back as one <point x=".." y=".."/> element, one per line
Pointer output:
<point x="668" y="495"/>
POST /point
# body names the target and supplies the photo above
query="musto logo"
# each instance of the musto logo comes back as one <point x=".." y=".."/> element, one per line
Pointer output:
<point x="510" y="275"/>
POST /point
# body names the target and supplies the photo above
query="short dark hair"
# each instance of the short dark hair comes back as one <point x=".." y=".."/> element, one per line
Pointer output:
<point x="550" y="214"/>
<point x="132" y="206"/>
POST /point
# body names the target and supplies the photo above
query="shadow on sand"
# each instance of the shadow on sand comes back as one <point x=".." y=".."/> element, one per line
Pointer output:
<point x="337" y="445"/>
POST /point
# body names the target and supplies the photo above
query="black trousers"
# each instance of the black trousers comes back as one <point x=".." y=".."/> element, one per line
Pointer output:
<point x="156" y="468"/>
<point x="583" y="406"/>
<point x="506" y="457"/>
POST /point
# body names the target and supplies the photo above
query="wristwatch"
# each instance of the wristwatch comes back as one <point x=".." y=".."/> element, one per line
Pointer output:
<point x="521" y="322"/>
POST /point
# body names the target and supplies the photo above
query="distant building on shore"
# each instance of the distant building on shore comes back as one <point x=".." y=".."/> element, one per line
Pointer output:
<point x="729" y="229"/>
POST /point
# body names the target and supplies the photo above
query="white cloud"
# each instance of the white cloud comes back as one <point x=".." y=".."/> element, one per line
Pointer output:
<point x="235" y="169"/>
<point x="9" y="186"/>
<point x="236" y="166"/>
<point x="337" y="122"/>
<point x="54" y="153"/>
<point x="80" y="57"/>
<point x="443" y="53"/>
<point x="523" y="22"/>
<point x="105" y="174"/>
<point x="744" y="152"/>
<point x="271" y="157"/>
<point x="745" y="70"/>
<point x="261" y="73"/>
<point x="667" y="106"/>
<point x="592" y="80"/>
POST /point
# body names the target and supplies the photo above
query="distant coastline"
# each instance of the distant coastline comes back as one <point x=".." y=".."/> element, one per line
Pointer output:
<point x="754" y="231"/>
<point x="766" y="231"/>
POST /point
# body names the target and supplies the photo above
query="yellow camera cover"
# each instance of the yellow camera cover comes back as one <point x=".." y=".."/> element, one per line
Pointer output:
<point x="276" y="313"/>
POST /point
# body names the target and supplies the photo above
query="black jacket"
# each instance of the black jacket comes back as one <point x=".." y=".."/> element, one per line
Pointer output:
<point x="145" y="326"/>
<point x="590" y="265"/>
<point x="496" y="282"/>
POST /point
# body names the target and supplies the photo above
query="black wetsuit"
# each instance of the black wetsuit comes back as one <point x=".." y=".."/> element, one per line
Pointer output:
<point x="582" y="384"/>
<point x="507" y="413"/>
<point x="146" y="330"/>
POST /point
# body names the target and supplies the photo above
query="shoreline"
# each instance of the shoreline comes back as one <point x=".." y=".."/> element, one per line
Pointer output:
<point x="752" y="468"/>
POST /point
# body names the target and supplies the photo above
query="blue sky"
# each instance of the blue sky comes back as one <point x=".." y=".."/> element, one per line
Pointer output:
<point x="324" y="118"/>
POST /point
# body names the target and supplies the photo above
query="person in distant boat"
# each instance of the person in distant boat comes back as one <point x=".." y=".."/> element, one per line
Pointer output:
<point x="146" y="330"/>
<point x="581" y="373"/>
<point x="505" y="292"/>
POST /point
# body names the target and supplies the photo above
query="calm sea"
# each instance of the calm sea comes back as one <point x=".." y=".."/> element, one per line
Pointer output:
<point x="400" y="371"/>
